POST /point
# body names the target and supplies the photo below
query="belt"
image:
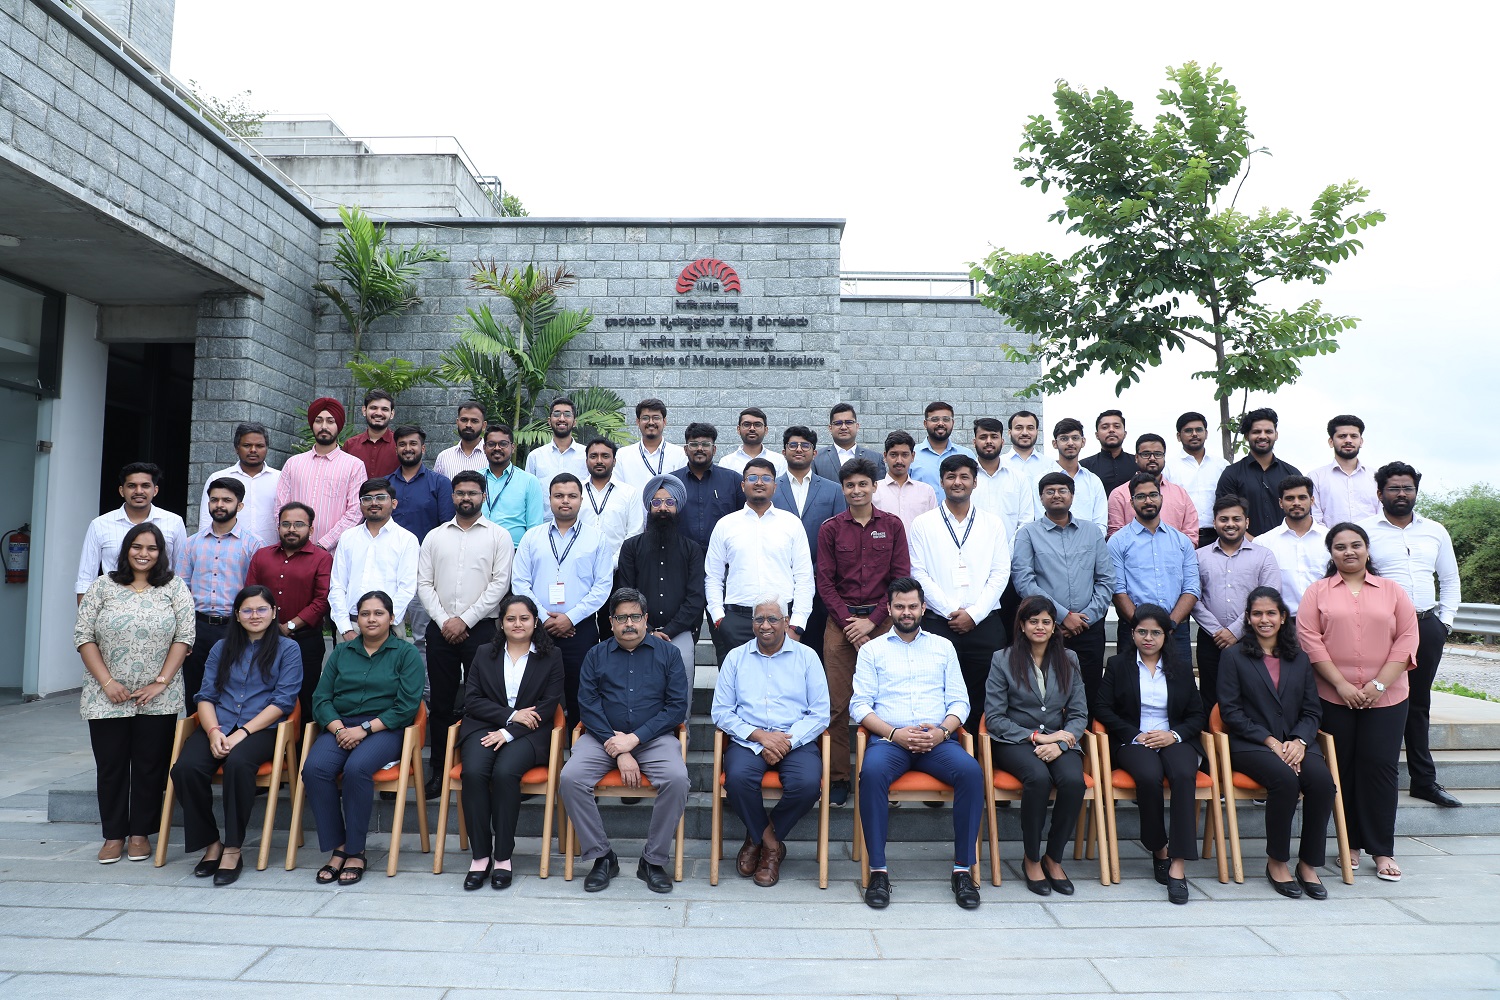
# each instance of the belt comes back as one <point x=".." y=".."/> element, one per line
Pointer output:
<point x="209" y="619"/>
<point x="739" y="609"/>
<point x="861" y="610"/>
<point x="1429" y="613"/>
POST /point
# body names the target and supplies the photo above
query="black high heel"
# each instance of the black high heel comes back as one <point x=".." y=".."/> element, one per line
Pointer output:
<point x="475" y="879"/>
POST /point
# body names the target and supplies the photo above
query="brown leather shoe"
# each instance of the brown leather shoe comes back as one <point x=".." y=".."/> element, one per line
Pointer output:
<point x="138" y="849"/>
<point x="112" y="851"/>
<point x="747" y="862"/>
<point x="769" y="872"/>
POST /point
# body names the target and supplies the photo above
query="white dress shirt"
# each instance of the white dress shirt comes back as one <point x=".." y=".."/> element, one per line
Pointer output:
<point x="636" y="466"/>
<point x="1090" y="502"/>
<point x="260" y="515"/>
<point x="549" y="460"/>
<point x="1033" y="467"/>
<point x="1004" y="494"/>
<point x="1302" y="560"/>
<point x="101" y="543"/>
<point x="615" y="511"/>
<point x="464" y="572"/>
<point x="908" y="683"/>
<point x="960" y="564"/>
<point x="751" y="555"/>
<point x="735" y="460"/>
<point x="451" y="461"/>
<point x="1413" y="556"/>
<point x="1153" y="697"/>
<point x="1340" y="496"/>
<point x="799" y="490"/>
<point x="386" y="560"/>
<point x="1200" y="479"/>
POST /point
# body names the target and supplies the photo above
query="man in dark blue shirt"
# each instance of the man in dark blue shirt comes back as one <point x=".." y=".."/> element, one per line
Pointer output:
<point x="632" y="694"/>
<point x="424" y="498"/>
<point x="712" y="491"/>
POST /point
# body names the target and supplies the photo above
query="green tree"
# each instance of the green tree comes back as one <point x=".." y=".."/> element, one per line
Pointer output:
<point x="1169" y="260"/>
<point x="1472" y="517"/>
<point x="233" y="116"/>
<point x="511" y="207"/>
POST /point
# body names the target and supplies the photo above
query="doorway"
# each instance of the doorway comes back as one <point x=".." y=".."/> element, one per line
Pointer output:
<point x="148" y="411"/>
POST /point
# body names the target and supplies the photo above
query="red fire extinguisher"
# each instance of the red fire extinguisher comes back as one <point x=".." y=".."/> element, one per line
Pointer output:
<point x="17" y="546"/>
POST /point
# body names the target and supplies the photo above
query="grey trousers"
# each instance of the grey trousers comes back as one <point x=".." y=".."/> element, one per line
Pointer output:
<point x="661" y="762"/>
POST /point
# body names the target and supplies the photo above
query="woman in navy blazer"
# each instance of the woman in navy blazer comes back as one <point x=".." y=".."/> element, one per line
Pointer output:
<point x="514" y="685"/>
<point x="1268" y="698"/>
<point x="1153" y="714"/>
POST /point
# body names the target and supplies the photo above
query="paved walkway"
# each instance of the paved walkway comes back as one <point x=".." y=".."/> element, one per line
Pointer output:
<point x="66" y="922"/>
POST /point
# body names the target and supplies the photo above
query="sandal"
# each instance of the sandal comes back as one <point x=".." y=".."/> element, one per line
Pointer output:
<point x="1389" y="871"/>
<point x="327" y="875"/>
<point x="1354" y="860"/>
<point x="349" y="876"/>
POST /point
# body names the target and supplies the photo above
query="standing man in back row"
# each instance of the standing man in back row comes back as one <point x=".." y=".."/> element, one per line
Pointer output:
<point x="139" y="484"/>
<point x="1112" y="463"/>
<point x="926" y="464"/>
<point x="376" y="445"/>
<point x="469" y="452"/>
<point x="562" y="453"/>
<point x="898" y="493"/>
<point x="1257" y="477"/>
<point x="1177" y="507"/>
<point x="814" y="500"/>
<point x="513" y="497"/>
<point x="654" y="455"/>
<point x="1198" y="472"/>
<point x="260" y="514"/>
<point x="1344" y="489"/>
<point x="752" y="428"/>
<point x="326" y="478"/>
<point x="843" y="428"/>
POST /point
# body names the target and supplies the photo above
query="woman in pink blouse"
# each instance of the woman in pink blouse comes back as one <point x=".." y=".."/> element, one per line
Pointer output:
<point x="1360" y="631"/>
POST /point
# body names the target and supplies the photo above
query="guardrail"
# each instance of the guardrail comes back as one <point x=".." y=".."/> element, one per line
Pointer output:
<point x="1480" y="619"/>
<point x="901" y="284"/>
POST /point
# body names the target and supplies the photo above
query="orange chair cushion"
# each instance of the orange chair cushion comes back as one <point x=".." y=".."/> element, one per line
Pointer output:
<point x="771" y="779"/>
<point x="391" y="774"/>
<point x="1007" y="782"/>
<point x="1122" y="779"/>
<point x="918" y="781"/>
<point x="614" y="780"/>
<point x="1246" y="782"/>
<point x="264" y="771"/>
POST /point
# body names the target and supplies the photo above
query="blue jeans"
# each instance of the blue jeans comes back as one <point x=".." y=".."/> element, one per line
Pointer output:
<point x="947" y="762"/>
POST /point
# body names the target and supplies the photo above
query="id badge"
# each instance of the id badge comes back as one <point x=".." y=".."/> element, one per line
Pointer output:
<point x="556" y="595"/>
<point x="961" y="575"/>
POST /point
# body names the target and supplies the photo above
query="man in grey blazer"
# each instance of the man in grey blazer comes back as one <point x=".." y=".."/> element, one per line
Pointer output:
<point x="843" y="426"/>
<point x="814" y="499"/>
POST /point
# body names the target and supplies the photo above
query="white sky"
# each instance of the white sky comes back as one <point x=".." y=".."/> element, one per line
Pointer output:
<point x="906" y="123"/>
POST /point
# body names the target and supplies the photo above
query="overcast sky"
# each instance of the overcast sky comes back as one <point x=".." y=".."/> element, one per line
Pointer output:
<point x="906" y="124"/>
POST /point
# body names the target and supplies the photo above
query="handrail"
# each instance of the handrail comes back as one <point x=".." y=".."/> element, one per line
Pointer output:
<point x="940" y="284"/>
<point x="1481" y="619"/>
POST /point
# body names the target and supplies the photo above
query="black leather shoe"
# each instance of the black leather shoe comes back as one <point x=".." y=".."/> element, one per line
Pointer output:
<point x="1437" y="795"/>
<point x="228" y="876"/>
<point x="1312" y="890"/>
<point x="838" y="792"/>
<point x="605" y="868"/>
<point x="965" y="892"/>
<point x="1061" y="886"/>
<point x="1290" y="889"/>
<point x="1040" y="886"/>
<point x="501" y="878"/>
<point x="878" y="892"/>
<point x="475" y="878"/>
<point x="205" y="868"/>
<point x="655" y="876"/>
<point x="1161" y="867"/>
<point x="1177" y="890"/>
<point x="433" y="791"/>
<point x="630" y="800"/>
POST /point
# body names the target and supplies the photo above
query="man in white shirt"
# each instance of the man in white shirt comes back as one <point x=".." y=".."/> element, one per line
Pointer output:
<point x="961" y="557"/>
<point x="1297" y="542"/>
<point x="653" y="455"/>
<point x="1196" y="471"/>
<point x="1414" y="552"/>
<point x="469" y="452"/>
<point x="757" y="550"/>
<point x="843" y="428"/>
<point x="1024" y="457"/>
<point x="609" y="505"/>
<point x="463" y="570"/>
<point x="378" y="554"/>
<point x="139" y="484"/>
<point x="752" y="429"/>
<point x="562" y="453"/>
<point x="998" y="488"/>
<point x="1344" y="489"/>
<point x="1089" y="500"/>
<point x="259" y="516"/>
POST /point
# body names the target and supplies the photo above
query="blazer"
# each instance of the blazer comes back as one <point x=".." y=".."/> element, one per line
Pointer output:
<point x="486" y="707"/>
<point x="1253" y="708"/>
<point x="1117" y="702"/>
<point x="825" y="498"/>
<point x="826" y="462"/>
<point x="1012" y="714"/>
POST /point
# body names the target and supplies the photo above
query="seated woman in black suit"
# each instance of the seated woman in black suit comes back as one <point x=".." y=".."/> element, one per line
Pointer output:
<point x="1153" y="714"/>
<point x="1036" y="711"/>
<point x="1268" y="698"/>
<point x="514" y="685"/>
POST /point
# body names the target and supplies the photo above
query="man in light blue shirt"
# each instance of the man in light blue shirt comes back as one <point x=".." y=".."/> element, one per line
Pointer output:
<point x="938" y="421"/>
<point x="567" y="570"/>
<point x="514" y="498"/>
<point x="1154" y="564"/>
<point x="910" y="693"/>
<point x="772" y="700"/>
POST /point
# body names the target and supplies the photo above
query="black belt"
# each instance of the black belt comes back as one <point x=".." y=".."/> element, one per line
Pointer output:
<point x="1429" y="613"/>
<point x="739" y="609"/>
<point x="861" y="610"/>
<point x="209" y="619"/>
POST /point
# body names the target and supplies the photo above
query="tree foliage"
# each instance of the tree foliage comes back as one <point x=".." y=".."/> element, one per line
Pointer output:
<point x="236" y="114"/>
<point x="1169" y="260"/>
<point x="1472" y="517"/>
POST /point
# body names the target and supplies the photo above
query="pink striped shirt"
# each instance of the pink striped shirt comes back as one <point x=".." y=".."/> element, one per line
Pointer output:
<point x="329" y="484"/>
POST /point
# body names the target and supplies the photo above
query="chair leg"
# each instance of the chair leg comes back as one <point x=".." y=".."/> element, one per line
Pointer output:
<point x="441" y="847"/>
<point x="681" y="843"/>
<point x="166" y="822"/>
<point x="715" y="832"/>
<point x="294" y="838"/>
<point x="567" y="849"/>
<point x="1235" y="858"/>
<point x="546" y="860"/>
<point x="1112" y="836"/>
<point x="1098" y="839"/>
<point x="993" y="820"/>
<point x="823" y="804"/>
<point x="1340" y="824"/>
<point x="422" y="803"/>
<point x="273" y="792"/>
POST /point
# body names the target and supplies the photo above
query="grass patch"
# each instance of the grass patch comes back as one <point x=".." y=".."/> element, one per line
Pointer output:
<point x="1449" y="687"/>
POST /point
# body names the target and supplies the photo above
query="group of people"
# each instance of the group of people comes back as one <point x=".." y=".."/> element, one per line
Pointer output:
<point x="915" y="591"/>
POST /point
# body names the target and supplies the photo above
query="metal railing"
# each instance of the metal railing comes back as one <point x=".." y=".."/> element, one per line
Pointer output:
<point x="904" y="284"/>
<point x="1478" y="619"/>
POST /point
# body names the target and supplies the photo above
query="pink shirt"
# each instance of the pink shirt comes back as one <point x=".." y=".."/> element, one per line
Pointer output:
<point x="906" y="502"/>
<point x="1359" y="634"/>
<point x="1177" y="509"/>
<point x="329" y="484"/>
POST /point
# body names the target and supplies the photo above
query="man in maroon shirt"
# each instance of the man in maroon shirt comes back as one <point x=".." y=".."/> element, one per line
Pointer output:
<point x="860" y="551"/>
<point x="297" y="571"/>
<point x="376" y="446"/>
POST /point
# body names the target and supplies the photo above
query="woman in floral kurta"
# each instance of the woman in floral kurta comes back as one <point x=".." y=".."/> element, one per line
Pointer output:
<point x="135" y="626"/>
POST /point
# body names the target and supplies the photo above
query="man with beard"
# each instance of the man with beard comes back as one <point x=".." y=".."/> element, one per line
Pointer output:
<point x="1413" y="551"/>
<point x="259" y="479"/>
<point x="843" y="428"/>
<point x="298" y="573"/>
<point x="814" y="500"/>
<point x="424" y="497"/>
<point x="1197" y="471"/>
<point x="1090" y="502"/>
<point x="1297" y="542"/>
<point x="1154" y="564"/>
<point x="562" y="453"/>
<point x="1257" y="477"/>
<point x="752" y="428"/>
<point x="999" y="488"/>
<point x="326" y="477"/>
<point x="665" y="564"/>
<point x="376" y="447"/>
<point x="611" y="506"/>
<point x="898" y="493"/>
<point x="652" y="455"/>
<point x="712" y="490"/>
<point x="1344" y="489"/>
<point x="213" y="565"/>
<point x="1112" y="463"/>
<point x="514" y="498"/>
<point x="1024" y="457"/>
<point x="926" y="464"/>
<point x="1177" y="507"/>
<point x="469" y="452"/>
<point x="1227" y="571"/>
<point x="463" y="571"/>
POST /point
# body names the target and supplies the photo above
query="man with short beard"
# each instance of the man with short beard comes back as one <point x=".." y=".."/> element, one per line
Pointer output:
<point x="469" y="452"/>
<point x="1297" y="543"/>
<point x="259" y="515"/>
<point x="652" y="455"/>
<point x="376" y="447"/>
<point x="1177" y="507"/>
<point x="937" y="421"/>
<point x="1196" y="471"/>
<point x="1258" y="475"/>
<point x="213" y="565"/>
<point x="999" y="488"/>
<point x="563" y="453"/>
<point x="667" y="566"/>
<point x="297" y="572"/>
<point x="1090" y="501"/>
<point x="326" y="477"/>
<point x="609" y="504"/>
<point x="1111" y="463"/>
<point x="1344" y="489"/>
<point x="1228" y="570"/>
<point x="1154" y="564"/>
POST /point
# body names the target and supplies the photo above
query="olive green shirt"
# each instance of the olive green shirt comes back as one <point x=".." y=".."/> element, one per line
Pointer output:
<point x="387" y="685"/>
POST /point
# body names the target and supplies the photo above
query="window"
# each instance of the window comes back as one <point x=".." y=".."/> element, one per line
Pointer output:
<point x="30" y="336"/>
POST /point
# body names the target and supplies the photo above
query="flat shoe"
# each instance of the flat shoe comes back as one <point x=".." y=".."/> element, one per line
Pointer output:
<point x="1386" y="875"/>
<point x="655" y="876"/>
<point x="475" y="878"/>
<point x="351" y="876"/>
<point x="1290" y="889"/>
<point x="1061" y="886"/>
<point x="228" y="876"/>
<point x="134" y="846"/>
<point x="604" y="869"/>
<point x="111" y="852"/>
<point x="965" y="892"/>
<point x="1177" y="890"/>
<point x="747" y="862"/>
<point x="769" y="872"/>
<point x="1040" y="886"/>
<point x="878" y="892"/>
<point x="206" y="868"/>
<point x="327" y="875"/>
<point x="1161" y="867"/>
<point x="501" y="879"/>
<point x="1312" y="890"/>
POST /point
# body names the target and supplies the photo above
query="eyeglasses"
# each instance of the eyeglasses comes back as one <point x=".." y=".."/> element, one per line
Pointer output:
<point x="562" y="413"/>
<point x="1153" y="495"/>
<point x="1402" y="490"/>
<point x="467" y="495"/>
<point x="634" y="619"/>
<point x="1150" y="454"/>
<point x="767" y="620"/>
<point x="797" y="446"/>
<point x="375" y="498"/>
<point x="695" y="445"/>
<point x="1057" y="491"/>
<point x="843" y="423"/>
<point x="294" y="525"/>
<point x="256" y="612"/>
<point x="762" y="478"/>
<point x="940" y="420"/>
<point x="1150" y="633"/>
<point x="658" y="504"/>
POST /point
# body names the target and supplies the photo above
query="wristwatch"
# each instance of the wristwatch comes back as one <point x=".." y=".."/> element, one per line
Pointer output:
<point x="162" y="679"/>
<point x="366" y="727"/>
<point x="1378" y="686"/>
<point x="291" y="626"/>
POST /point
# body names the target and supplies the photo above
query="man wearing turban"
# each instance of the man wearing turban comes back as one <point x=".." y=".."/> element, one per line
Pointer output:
<point x="667" y="566"/>
<point x="326" y="478"/>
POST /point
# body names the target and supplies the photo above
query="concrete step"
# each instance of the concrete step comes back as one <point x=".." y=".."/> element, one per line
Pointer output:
<point x="1464" y="723"/>
<point x="1460" y="769"/>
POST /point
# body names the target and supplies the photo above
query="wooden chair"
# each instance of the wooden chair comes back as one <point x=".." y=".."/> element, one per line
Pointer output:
<point x="1121" y="788"/>
<point x="913" y="786"/>
<point x="1239" y="787"/>
<point x="1002" y="786"/>
<point x="770" y="788"/>
<point x="281" y="767"/>
<point x="540" y="780"/>
<point x="407" y="773"/>
<point x="613" y="786"/>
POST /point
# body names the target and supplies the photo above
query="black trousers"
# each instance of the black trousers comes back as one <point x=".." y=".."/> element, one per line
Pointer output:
<point x="197" y="658"/>
<point x="1368" y="741"/>
<point x="1283" y="786"/>
<point x="1037" y="781"/>
<point x="492" y="793"/>
<point x="310" y="641"/>
<point x="1177" y="767"/>
<point x="817" y="621"/>
<point x="446" y="663"/>
<point x="1419" y="764"/>
<point x="1208" y="671"/>
<point x="976" y="648"/>
<point x="734" y="630"/>
<point x="131" y="757"/>
<point x="1088" y="646"/>
<point x="193" y="776"/>
<point x="585" y="637"/>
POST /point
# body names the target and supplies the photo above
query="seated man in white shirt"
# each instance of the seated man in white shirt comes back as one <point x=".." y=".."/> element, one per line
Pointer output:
<point x="378" y="554"/>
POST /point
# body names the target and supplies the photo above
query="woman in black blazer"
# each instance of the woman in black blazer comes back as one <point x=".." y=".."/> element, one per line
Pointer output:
<point x="1151" y="709"/>
<point x="514" y="685"/>
<point x="1268" y="698"/>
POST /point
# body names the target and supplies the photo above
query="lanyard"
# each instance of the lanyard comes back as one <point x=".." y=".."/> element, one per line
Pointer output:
<point x="489" y="505"/>
<point x="953" y="534"/>
<point x="599" y="507"/>
<point x="661" y="460"/>
<point x="552" y="541"/>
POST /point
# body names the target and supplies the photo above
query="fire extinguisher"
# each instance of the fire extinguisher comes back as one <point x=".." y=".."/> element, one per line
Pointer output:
<point x="17" y="546"/>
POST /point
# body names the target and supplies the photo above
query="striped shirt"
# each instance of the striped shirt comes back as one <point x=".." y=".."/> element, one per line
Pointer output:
<point x="101" y="544"/>
<point x="905" y="501"/>
<point x="451" y="461"/>
<point x="260" y="512"/>
<point x="329" y="484"/>
<point x="214" y="566"/>
<point x="908" y="683"/>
